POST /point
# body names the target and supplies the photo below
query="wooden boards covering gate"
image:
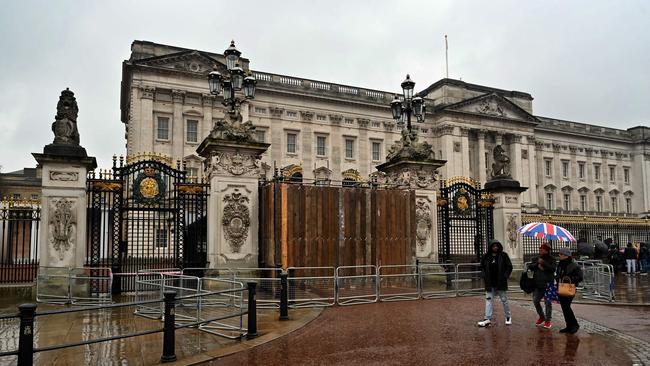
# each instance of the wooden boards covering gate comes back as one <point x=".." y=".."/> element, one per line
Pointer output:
<point x="312" y="226"/>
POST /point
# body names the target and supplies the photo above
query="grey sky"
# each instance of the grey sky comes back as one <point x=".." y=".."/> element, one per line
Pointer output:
<point x="586" y="61"/>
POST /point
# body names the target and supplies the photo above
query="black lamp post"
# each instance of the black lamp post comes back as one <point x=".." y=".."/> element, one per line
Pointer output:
<point x="233" y="82"/>
<point x="409" y="106"/>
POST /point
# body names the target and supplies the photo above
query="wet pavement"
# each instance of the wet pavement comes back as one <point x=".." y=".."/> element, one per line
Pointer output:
<point x="634" y="289"/>
<point x="440" y="332"/>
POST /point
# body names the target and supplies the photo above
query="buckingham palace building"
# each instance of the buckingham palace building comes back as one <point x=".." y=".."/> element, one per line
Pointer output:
<point x="321" y="130"/>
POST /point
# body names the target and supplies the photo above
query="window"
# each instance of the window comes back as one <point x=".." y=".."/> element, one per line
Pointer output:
<point x="581" y="170"/>
<point x="34" y="196"/>
<point x="163" y="128"/>
<point x="597" y="172"/>
<point x="614" y="204"/>
<point x="349" y="148"/>
<point x="626" y="175"/>
<point x="16" y="196"/>
<point x="583" y="202"/>
<point x="260" y="135"/>
<point x="612" y="173"/>
<point x="628" y="205"/>
<point x="260" y="110"/>
<point x="192" y="172"/>
<point x="161" y="238"/>
<point x="321" y="117"/>
<point x="567" y="201"/>
<point x="320" y="145"/>
<point x="599" y="203"/>
<point x="292" y="114"/>
<point x="549" y="201"/>
<point x="291" y="143"/>
<point x="548" y="167"/>
<point x="376" y="148"/>
<point x="192" y="130"/>
<point x="349" y="121"/>
<point x="565" y="169"/>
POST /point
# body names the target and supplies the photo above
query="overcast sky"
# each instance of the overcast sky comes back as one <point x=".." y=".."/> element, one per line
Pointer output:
<point x="585" y="61"/>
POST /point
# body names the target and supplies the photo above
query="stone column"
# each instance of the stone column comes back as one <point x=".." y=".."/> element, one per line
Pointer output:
<point x="507" y="218"/>
<point x="146" y="136"/>
<point x="464" y="151"/>
<point x="177" y="133"/>
<point x="64" y="164"/>
<point x="481" y="156"/>
<point x="233" y="169"/>
<point x="515" y="152"/>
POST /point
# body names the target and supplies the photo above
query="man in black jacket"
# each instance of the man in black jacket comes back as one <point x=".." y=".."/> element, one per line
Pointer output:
<point x="544" y="268"/>
<point x="496" y="268"/>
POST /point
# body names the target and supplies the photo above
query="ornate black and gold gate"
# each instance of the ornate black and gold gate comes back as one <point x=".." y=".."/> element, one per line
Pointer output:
<point x="464" y="220"/>
<point x="145" y="215"/>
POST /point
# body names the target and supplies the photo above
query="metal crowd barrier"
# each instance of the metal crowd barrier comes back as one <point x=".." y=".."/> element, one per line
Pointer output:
<point x="311" y="286"/>
<point x="398" y="282"/>
<point x="149" y="285"/>
<point x="268" y="284"/>
<point x="437" y="280"/>
<point x="601" y="284"/>
<point x="468" y="279"/>
<point x="76" y="286"/>
<point x="356" y="285"/>
<point x="214" y="305"/>
<point x="187" y="310"/>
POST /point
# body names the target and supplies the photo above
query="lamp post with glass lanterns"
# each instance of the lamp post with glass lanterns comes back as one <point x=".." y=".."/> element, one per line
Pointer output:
<point x="233" y="82"/>
<point x="409" y="105"/>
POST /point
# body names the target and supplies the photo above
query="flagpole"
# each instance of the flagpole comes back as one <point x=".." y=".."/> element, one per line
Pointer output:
<point x="446" y="57"/>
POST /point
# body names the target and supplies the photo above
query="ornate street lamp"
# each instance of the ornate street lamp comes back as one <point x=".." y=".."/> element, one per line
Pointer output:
<point x="235" y="81"/>
<point x="408" y="105"/>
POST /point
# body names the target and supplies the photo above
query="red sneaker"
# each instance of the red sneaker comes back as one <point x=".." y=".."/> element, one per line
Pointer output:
<point x="547" y="325"/>
<point x="539" y="322"/>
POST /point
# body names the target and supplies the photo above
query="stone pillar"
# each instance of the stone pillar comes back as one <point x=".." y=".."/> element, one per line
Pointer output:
<point x="177" y="131"/>
<point x="145" y="138"/>
<point x="64" y="164"/>
<point x="481" y="156"/>
<point x="233" y="169"/>
<point x="507" y="215"/>
<point x="464" y="151"/>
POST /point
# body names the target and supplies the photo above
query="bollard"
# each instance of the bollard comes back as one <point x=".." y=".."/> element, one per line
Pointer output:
<point x="252" y="311"/>
<point x="169" y="336"/>
<point x="284" y="296"/>
<point x="26" y="336"/>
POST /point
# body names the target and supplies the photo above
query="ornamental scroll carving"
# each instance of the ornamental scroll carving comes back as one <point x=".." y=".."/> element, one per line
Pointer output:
<point x="236" y="220"/>
<point x="413" y="178"/>
<point x="511" y="230"/>
<point x="62" y="225"/>
<point x="423" y="219"/>
<point x="64" y="176"/>
<point x="233" y="163"/>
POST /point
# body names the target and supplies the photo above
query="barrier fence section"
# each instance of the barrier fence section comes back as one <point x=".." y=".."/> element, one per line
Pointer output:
<point x="187" y="308"/>
<point x="398" y="282"/>
<point x="598" y="280"/>
<point x="356" y="285"/>
<point x="468" y="279"/>
<point x="76" y="286"/>
<point x="311" y="286"/>
<point x="222" y="305"/>
<point x="149" y="285"/>
<point x="437" y="280"/>
<point x="268" y="284"/>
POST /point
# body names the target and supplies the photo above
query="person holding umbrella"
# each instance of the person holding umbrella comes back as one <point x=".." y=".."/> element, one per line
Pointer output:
<point x="543" y="267"/>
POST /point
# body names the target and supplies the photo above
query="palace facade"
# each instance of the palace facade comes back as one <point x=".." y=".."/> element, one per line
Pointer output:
<point x="328" y="131"/>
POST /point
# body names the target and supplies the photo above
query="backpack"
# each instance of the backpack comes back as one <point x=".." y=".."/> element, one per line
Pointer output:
<point x="527" y="281"/>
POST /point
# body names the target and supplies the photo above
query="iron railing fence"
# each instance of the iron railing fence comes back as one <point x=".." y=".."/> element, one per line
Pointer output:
<point x="19" y="235"/>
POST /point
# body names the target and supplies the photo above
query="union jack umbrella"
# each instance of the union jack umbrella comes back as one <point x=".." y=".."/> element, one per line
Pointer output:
<point x="544" y="230"/>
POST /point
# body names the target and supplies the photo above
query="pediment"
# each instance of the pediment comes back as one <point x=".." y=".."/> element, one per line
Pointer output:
<point x="492" y="105"/>
<point x="187" y="61"/>
<point x="583" y="190"/>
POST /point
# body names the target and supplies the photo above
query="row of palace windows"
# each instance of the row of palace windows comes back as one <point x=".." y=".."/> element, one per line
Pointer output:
<point x="548" y="171"/>
<point x="18" y="196"/>
<point x="163" y="126"/>
<point x="322" y="145"/>
<point x="584" y="205"/>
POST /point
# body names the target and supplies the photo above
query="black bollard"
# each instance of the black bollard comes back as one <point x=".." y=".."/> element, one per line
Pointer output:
<point x="284" y="296"/>
<point x="169" y="336"/>
<point x="252" y="311"/>
<point x="26" y="336"/>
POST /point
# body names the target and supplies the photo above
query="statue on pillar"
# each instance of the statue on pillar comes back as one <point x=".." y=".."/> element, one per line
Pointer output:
<point x="232" y="128"/>
<point x="501" y="165"/>
<point x="65" y="121"/>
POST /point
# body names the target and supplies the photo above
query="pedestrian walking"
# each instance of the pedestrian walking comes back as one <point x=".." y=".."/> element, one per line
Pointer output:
<point x="568" y="270"/>
<point x="496" y="268"/>
<point x="643" y="259"/>
<point x="630" y="255"/>
<point x="614" y="258"/>
<point x="544" y="270"/>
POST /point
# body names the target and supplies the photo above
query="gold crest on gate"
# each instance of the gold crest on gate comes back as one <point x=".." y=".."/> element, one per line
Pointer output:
<point x="461" y="202"/>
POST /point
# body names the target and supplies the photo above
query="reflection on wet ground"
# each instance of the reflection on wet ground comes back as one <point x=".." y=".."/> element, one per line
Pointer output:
<point x="634" y="289"/>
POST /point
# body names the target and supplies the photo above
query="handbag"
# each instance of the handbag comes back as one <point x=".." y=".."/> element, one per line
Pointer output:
<point x="527" y="282"/>
<point x="565" y="288"/>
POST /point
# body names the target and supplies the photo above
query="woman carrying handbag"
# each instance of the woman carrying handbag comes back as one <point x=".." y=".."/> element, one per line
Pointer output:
<point x="568" y="275"/>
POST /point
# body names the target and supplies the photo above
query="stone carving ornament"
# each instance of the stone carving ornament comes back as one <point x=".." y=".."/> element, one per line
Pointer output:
<point x="62" y="226"/>
<point x="511" y="230"/>
<point x="423" y="220"/>
<point x="64" y="176"/>
<point x="490" y="108"/>
<point x="413" y="178"/>
<point x="65" y="121"/>
<point x="232" y="163"/>
<point x="236" y="220"/>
